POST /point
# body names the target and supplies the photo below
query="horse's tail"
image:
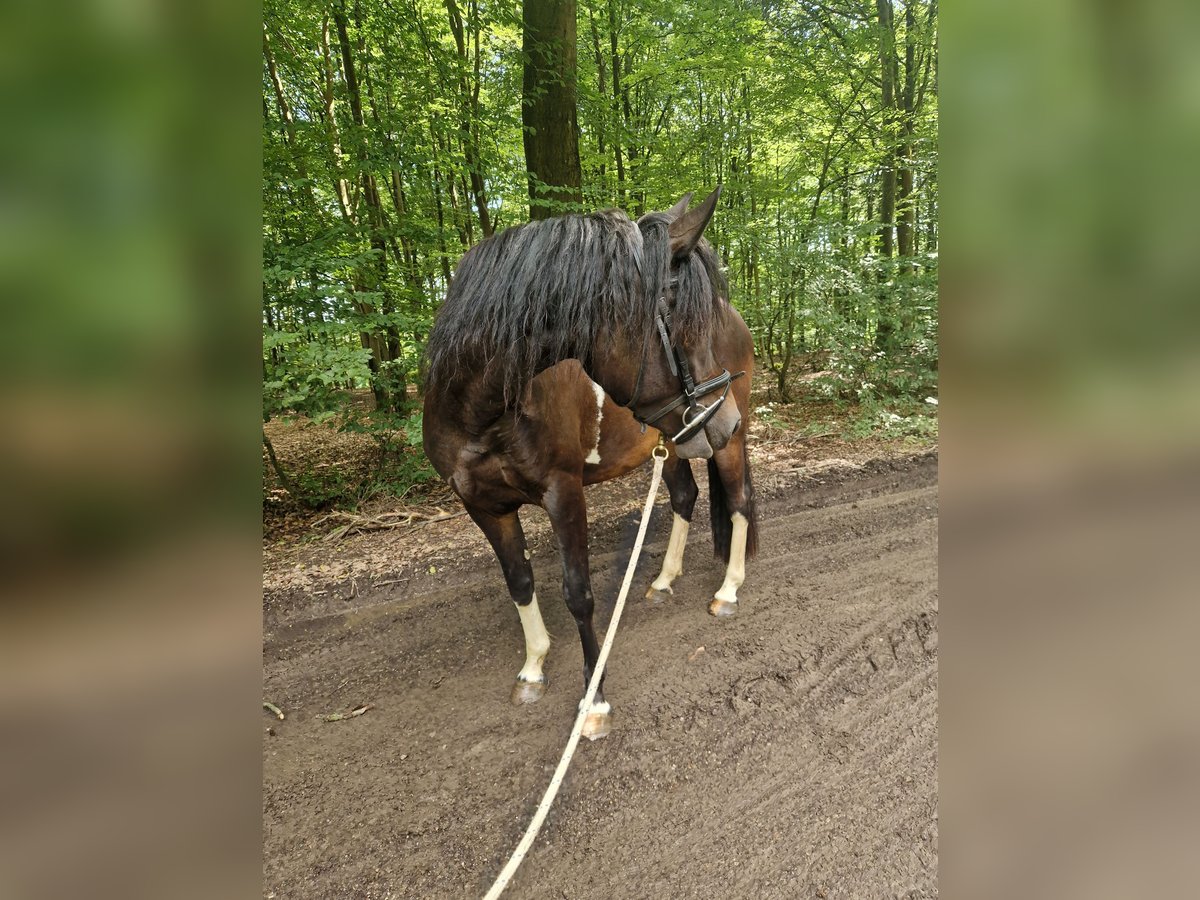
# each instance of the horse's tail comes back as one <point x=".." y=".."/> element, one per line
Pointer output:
<point x="719" y="507"/>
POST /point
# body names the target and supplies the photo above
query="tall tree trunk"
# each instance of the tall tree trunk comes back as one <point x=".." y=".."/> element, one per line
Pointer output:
<point x="548" y="107"/>
<point x="441" y="225"/>
<point x="888" y="78"/>
<point x="333" y="139"/>
<point x="930" y="219"/>
<point x="288" y="122"/>
<point x="631" y="147"/>
<point x="785" y="362"/>
<point x="841" y="301"/>
<point x="477" y="185"/>
<point x="385" y="398"/>
<point x="602" y="89"/>
<point x="615" y="55"/>
<point x="383" y="238"/>
<point x="908" y="96"/>
<point x="457" y="214"/>
<point x="888" y="67"/>
<point x="466" y="192"/>
<point x="469" y="105"/>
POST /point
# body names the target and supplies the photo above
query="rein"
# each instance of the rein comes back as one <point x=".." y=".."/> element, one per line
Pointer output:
<point x="689" y="390"/>
<point x="539" y="817"/>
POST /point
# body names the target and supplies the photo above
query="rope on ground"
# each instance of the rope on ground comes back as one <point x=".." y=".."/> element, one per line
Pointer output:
<point x="535" y="825"/>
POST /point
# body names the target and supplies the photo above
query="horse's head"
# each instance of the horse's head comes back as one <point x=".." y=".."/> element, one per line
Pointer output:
<point x="680" y="387"/>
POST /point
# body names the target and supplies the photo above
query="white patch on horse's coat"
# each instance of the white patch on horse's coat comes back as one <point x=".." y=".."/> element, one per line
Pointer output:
<point x="672" y="566"/>
<point x="735" y="573"/>
<point x="537" y="641"/>
<point x="601" y="708"/>
<point x="594" y="456"/>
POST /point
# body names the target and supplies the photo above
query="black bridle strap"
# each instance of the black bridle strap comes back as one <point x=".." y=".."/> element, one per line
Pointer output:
<point x="699" y="390"/>
<point x="663" y="321"/>
<point x="690" y="392"/>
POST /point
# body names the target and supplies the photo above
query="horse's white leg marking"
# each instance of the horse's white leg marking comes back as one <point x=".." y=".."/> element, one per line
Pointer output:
<point x="594" y="456"/>
<point x="735" y="573"/>
<point x="537" y="641"/>
<point x="672" y="566"/>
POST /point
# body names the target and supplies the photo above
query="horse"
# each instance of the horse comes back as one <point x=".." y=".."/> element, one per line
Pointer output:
<point x="563" y="349"/>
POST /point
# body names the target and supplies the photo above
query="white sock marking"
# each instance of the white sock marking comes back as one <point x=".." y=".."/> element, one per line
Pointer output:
<point x="537" y="641"/>
<point x="672" y="566"/>
<point x="735" y="574"/>
<point x="594" y="456"/>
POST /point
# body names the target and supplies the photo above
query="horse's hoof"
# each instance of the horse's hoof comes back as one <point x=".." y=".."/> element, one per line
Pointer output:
<point x="722" y="608"/>
<point x="657" y="597"/>
<point x="527" y="692"/>
<point x="597" y="725"/>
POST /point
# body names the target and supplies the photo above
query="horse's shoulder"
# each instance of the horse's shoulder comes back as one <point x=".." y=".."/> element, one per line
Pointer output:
<point x="560" y="393"/>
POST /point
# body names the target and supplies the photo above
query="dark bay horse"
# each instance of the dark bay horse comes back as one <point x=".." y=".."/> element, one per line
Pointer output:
<point x="557" y="343"/>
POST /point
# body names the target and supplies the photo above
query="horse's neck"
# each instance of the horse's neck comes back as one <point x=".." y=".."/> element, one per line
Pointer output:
<point x="615" y="370"/>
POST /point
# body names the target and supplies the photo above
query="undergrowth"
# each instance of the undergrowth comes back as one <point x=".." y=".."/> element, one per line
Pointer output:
<point x="387" y="460"/>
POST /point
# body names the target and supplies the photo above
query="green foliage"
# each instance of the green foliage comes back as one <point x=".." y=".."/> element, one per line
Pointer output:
<point x="318" y="489"/>
<point x="902" y="362"/>
<point x="395" y="465"/>
<point x="309" y="377"/>
<point x="878" y="420"/>
<point x="401" y="460"/>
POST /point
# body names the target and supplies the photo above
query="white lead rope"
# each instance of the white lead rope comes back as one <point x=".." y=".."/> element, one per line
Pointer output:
<point x="535" y="825"/>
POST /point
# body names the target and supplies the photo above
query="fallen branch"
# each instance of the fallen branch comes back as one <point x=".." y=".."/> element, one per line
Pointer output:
<point x="337" y="717"/>
<point x="381" y="521"/>
<point x="793" y="439"/>
<point x="267" y="704"/>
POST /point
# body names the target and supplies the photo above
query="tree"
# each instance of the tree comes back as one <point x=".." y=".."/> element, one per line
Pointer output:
<point x="548" y="114"/>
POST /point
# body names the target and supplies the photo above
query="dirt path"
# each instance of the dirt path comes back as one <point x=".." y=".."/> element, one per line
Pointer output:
<point x="795" y="756"/>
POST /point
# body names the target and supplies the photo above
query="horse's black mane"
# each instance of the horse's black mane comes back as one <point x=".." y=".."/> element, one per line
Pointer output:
<point x="546" y="291"/>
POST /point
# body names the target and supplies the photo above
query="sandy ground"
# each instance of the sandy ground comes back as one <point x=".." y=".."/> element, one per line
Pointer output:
<point x="790" y="751"/>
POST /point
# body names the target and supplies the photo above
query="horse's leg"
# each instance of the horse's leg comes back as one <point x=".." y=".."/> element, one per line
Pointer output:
<point x="733" y="480"/>
<point x="508" y="540"/>
<point x="681" y="484"/>
<point x="565" y="504"/>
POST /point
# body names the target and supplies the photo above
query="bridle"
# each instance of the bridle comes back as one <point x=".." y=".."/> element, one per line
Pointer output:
<point x="689" y="390"/>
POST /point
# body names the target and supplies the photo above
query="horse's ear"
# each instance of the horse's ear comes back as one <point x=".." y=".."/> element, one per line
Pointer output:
<point x="681" y="207"/>
<point x="686" y="231"/>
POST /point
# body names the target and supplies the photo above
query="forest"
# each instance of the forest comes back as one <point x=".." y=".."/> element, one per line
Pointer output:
<point x="399" y="133"/>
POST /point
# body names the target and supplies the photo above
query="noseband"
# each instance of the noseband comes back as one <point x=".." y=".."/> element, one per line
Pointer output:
<point x="697" y="415"/>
